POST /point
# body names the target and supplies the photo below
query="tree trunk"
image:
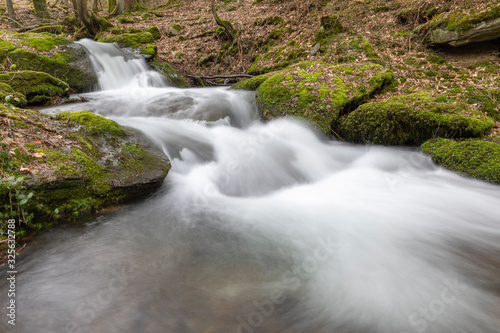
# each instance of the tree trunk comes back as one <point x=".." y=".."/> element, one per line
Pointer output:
<point x="12" y="15"/>
<point x="41" y="8"/>
<point x="92" y="21"/>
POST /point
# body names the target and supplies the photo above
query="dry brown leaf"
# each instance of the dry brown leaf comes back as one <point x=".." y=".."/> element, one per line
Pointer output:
<point x="39" y="155"/>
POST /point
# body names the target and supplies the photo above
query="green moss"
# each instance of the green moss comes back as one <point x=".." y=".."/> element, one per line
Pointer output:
<point x="38" y="87"/>
<point x="174" y="79"/>
<point x="250" y="84"/>
<point x="5" y="47"/>
<point x="459" y="20"/>
<point x="125" y="19"/>
<point x="475" y="158"/>
<point x="155" y="32"/>
<point x="410" y="119"/>
<point x="40" y="41"/>
<point x="93" y="123"/>
<point x="8" y="95"/>
<point x="329" y="27"/>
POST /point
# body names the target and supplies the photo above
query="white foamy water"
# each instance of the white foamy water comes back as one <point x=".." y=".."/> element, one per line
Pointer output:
<point x="267" y="227"/>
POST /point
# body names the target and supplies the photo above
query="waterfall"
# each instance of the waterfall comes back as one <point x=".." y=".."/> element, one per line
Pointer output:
<point x="265" y="227"/>
<point x="117" y="68"/>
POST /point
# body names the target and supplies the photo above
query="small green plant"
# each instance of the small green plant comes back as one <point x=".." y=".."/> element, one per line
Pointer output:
<point x="18" y="199"/>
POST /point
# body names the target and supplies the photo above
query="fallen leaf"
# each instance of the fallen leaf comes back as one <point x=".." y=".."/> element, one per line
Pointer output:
<point x="39" y="155"/>
<point x="38" y="141"/>
<point x="24" y="170"/>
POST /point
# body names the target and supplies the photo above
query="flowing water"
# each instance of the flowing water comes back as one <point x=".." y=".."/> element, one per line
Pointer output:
<point x="264" y="227"/>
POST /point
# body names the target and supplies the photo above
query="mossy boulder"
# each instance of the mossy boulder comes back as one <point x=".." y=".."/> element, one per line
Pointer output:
<point x="461" y="26"/>
<point x="51" y="54"/>
<point x="320" y="93"/>
<point x="91" y="163"/>
<point x="251" y="84"/>
<point x="473" y="157"/>
<point x="38" y="87"/>
<point x="155" y="32"/>
<point x="174" y="79"/>
<point x="411" y="119"/>
<point x="144" y="41"/>
<point x="9" y="96"/>
<point x="40" y="41"/>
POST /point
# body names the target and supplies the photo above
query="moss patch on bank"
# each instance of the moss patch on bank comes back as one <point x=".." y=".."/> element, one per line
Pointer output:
<point x="475" y="158"/>
<point x="38" y="87"/>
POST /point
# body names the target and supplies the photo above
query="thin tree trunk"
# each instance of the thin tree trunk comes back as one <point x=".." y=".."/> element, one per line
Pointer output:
<point x="229" y="30"/>
<point x="12" y="14"/>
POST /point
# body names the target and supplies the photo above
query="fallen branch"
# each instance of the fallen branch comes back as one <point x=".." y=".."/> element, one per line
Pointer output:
<point x="219" y="76"/>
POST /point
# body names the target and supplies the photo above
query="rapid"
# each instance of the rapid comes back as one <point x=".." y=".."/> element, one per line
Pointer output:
<point x="264" y="227"/>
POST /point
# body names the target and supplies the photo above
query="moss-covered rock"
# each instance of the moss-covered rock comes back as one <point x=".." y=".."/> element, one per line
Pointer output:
<point x="53" y="54"/>
<point x="9" y="96"/>
<point x="93" y="162"/>
<point x="320" y="93"/>
<point x="155" y="32"/>
<point x="475" y="158"/>
<point x="461" y="26"/>
<point x="411" y="119"/>
<point x="144" y="41"/>
<point x="251" y="84"/>
<point x="38" y="87"/>
<point x="40" y="41"/>
<point x="174" y="79"/>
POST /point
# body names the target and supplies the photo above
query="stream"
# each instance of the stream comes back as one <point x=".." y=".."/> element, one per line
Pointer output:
<point x="263" y="227"/>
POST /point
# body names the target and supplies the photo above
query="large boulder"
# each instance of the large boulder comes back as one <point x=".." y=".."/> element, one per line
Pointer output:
<point x="46" y="52"/>
<point x="78" y="162"/>
<point x="459" y="28"/>
<point x="38" y="87"/>
<point x="411" y="119"/>
<point x="473" y="157"/>
<point x="320" y="93"/>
